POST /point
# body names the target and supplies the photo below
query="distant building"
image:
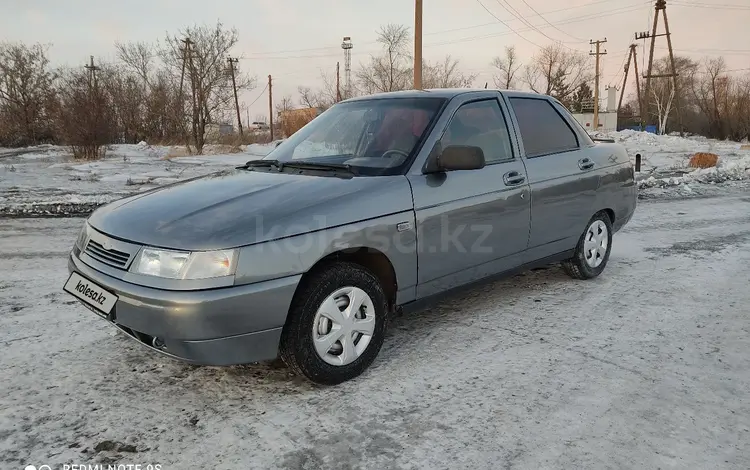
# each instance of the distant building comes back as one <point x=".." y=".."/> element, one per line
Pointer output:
<point x="306" y="114"/>
<point x="607" y="116"/>
<point x="215" y="130"/>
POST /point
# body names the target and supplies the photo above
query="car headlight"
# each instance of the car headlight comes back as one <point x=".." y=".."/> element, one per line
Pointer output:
<point x="82" y="237"/>
<point x="185" y="265"/>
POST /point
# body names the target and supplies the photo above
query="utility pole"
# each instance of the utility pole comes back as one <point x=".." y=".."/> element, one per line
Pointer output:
<point x="191" y="70"/>
<point x="92" y="73"/>
<point x="596" y="82"/>
<point x="338" y="84"/>
<point x="632" y="56"/>
<point x="94" y="104"/>
<point x="417" y="44"/>
<point x="270" y="106"/>
<point x="233" y="61"/>
<point x="182" y="73"/>
<point x="180" y="103"/>
<point x="661" y="6"/>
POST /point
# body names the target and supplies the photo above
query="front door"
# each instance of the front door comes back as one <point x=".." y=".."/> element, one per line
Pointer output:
<point x="472" y="223"/>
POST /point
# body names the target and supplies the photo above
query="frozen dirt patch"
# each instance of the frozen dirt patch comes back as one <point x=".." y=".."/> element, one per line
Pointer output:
<point x="644" y="367"/>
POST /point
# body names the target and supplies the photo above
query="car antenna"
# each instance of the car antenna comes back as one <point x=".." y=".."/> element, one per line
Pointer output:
<point x="485" y="85"/>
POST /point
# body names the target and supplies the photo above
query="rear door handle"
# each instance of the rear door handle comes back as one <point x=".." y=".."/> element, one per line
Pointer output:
<point x="513" y="178"/>
<point x="585" y="164"/>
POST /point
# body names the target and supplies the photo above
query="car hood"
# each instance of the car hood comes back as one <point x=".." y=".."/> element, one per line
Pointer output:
<point x="239" y="207"/>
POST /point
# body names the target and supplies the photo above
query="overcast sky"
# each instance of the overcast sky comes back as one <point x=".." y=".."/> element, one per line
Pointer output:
<point x="294" y="39"/>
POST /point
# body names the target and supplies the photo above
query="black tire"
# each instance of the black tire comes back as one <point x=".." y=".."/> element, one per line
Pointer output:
<point x="577" y="267"/>
<point x="297" y="349"/>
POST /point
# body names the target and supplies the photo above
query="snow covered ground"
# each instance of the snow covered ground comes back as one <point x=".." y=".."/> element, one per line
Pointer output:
<point x="644" y="367"/>
<point x="46" y="180"/>
<point x="665" y="163"/>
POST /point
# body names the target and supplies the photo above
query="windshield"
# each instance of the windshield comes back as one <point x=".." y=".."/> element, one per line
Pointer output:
<point x="376" y="137"/>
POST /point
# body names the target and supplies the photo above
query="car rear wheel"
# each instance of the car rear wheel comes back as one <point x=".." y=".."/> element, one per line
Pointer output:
<point x="336" y="324"/>
<point x="592" y="252"/>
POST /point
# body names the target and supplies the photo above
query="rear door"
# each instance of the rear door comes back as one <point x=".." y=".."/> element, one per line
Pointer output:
<point x="562" y="176"/>
<point x="472" y="223"/>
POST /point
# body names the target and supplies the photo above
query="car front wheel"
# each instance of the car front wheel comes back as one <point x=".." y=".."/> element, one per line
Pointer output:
<point x="336" y="324"/>
<point x="592" y="252"/>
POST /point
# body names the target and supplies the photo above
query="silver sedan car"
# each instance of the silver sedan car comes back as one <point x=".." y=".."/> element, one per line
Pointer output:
<point x="380" y="205"/>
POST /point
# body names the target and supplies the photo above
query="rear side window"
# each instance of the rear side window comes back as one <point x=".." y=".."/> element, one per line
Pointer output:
<point x="543" y="130"/>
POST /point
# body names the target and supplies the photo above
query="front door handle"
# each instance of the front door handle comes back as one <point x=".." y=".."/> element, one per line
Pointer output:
<point x="585" y="164"/>
<point x="513" y="178"/>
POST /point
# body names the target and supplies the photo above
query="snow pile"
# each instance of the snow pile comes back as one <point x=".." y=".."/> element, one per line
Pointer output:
<point x="665" y="159"/>
<point x="732" y="170"/>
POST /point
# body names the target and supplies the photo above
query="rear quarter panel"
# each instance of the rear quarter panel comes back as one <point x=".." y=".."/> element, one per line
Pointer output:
<point x="617" y="187"/>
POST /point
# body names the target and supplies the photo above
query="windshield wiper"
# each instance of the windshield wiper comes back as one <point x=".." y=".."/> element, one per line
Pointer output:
<point x="264" y="164"/>
<point x="300" y="165"/>
<point x="321" y="166"/>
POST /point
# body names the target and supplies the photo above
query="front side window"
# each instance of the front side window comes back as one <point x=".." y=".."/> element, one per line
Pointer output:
<point x="480" y="124"/>
<point x="376" y="137"/>
<point x="543" y="130"/>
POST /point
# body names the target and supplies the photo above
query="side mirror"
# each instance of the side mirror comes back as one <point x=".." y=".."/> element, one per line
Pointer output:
<point x="460" y="157"/>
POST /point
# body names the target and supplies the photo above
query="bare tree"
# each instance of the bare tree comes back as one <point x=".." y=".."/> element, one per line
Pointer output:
<point x="85" y="119"/>
<point x="163" y="110"/>
<point x="308" y="97"/>
<point x="288" y="121"/>
<point x="663" y="104"/>
<point x="663" y="94"/>
<point x="389" y="71"/>
<point x="507" y="67"/>
<point x="328" y="93"/>
<point x="706" y="89"/>
<point x="445" y="74"/>
<point x="286" y="104"/>
<point x="207" y="73"/>
<point x="738" y="109"/>
<point x="25" y="88"/>
<point x="558" y="72"/>
<point x="723" y="99"/>
<point x="128" y="101"/>
<point x="138" y="57"/>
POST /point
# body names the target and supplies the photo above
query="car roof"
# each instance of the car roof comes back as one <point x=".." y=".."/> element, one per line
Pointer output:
<point x="441" y="93"/>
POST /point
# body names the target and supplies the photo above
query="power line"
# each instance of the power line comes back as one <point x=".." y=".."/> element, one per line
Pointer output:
<point x="591" y="16"/>
<point x="509" y="8"/>
<point x="259" y="96"/>
<point x="452" y="30"/>
<point x="579" y="19"/>
<point x="621" y="70"/>
<point x="712" y="6"/>
<point x="546" y="21"/>
<point x="713" y="52"/>
<point x="506" y="25"/>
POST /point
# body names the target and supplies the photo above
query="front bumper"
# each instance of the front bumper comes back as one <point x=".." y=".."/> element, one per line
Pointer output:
<point x="233" y="325"/>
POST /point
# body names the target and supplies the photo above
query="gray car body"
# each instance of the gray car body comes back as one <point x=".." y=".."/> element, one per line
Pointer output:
<point x="284" y="225"/>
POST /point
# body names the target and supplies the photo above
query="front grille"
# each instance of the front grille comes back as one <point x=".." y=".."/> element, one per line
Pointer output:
<point x="112" y="257"/>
